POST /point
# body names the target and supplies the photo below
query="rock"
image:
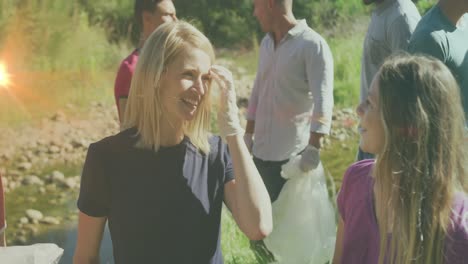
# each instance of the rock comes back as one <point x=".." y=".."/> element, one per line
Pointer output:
<point x="67" y="146"/>
<point x="14" y="173"/>
<point x="341" y="137"/>
<point x="79" y="143"/>
<point x="50" y="220"/>
<point x="57" y="176"/>
<point x="53" y="149"/>
<point x="51" y="187"/>
<point x="59" y="116"/>
<point x="5" y="157"/>
<point x="34" y="215"/>
<point x="23" y="220"/>
<point x="70" y="183"/>
<point x="12" y="185"/>
<point x="21" y="240"/>
<point x="32" y="180"/>
<point x="31" y="228"/>
<point x="24" y="166"/>
<point x="30" y="155"/>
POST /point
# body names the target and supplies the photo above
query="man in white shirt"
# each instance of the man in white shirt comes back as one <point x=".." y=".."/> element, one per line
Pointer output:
<point x="291" y="104"/>
<point x="390" y="29"/>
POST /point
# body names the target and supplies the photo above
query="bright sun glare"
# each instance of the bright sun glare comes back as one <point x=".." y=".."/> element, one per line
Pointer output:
<point x="4" y="77"/>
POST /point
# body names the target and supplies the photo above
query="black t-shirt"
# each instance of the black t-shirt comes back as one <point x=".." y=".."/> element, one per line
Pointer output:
<point x="162" y="207"/>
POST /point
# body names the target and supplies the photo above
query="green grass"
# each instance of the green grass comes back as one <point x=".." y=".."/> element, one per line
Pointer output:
<point x="235" y="245"/>
<point x="54" y="59"/>
<point x="347" y="52"/>
<point x="246" y="59"/>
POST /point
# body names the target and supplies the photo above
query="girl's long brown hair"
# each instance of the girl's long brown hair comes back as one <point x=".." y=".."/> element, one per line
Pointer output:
<point x="423" y="160"/>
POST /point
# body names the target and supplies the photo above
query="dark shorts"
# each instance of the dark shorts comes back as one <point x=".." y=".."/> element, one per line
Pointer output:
<point x="271" y="175"/>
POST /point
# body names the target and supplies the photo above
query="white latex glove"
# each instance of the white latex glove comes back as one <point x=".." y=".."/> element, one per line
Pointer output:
<point x="248" y="139"/>
<point x="310" y="158"/>
<point x="228" y="119"/>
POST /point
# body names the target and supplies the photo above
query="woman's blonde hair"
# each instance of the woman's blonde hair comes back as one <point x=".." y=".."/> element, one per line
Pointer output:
<point x="144" y="109"/>
<point x="423" y="160"/>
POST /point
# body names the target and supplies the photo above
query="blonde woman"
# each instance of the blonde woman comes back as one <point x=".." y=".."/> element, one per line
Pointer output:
<point x="160" y="183"/>
<point x="410" y="204"/>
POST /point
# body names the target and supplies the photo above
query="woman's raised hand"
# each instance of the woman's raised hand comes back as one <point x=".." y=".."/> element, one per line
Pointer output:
<point x="228" y="119"/>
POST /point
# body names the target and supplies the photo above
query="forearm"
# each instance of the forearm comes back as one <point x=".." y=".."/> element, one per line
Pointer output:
<point x="90" y="232"/>
<point x="252" y="204"/>
<point x="314" y="139"/>
<point x="85" y="260"/>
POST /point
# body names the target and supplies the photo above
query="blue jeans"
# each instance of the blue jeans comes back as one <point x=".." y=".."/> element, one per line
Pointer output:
<point x="270" y="171"/>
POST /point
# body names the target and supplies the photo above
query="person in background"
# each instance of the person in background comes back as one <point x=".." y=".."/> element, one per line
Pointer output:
<point x="390" y="29"/>
<point x="410" y="204"/>
<point x="2" y="215"/>
<point x="161" y="182"/>
<point x="291" y="104"/>
<point x="443" y="34"/>
<point x="149" y="15"/>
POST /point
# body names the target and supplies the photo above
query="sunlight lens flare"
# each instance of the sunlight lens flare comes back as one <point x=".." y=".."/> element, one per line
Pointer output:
<point x="4" y="77"/>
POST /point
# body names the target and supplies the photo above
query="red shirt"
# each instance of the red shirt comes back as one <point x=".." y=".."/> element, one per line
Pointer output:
<point x="124" y="77"/>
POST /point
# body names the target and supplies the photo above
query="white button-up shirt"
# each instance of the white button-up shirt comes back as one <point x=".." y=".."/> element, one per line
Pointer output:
<point x="292" y="94"/>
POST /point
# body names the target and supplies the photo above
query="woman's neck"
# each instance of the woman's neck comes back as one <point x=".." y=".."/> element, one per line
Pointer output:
<point x="172" y="133"/>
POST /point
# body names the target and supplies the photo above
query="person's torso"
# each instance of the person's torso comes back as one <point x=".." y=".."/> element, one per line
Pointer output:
<point x="377" y="43"/>
<point x="361" y="239"/>
<point x="285" y="102"/>
<point x="165" y="206"/>
<point x="452" y="43"/>
<point x="122" y="82"/>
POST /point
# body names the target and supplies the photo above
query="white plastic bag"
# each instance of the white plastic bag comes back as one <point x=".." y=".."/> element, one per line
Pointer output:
<point x="33" y="254"/>
<point x="304" y="227"/>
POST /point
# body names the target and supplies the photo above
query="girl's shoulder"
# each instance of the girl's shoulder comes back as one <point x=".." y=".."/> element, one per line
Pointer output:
<point x="359" y="171"/>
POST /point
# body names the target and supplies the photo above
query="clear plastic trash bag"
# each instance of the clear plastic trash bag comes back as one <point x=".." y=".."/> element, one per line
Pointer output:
<point x="304" y="225"/>
<point x="33" y="254"/>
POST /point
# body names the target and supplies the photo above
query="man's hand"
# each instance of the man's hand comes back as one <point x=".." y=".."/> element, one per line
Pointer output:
<point x="310" y="158"/>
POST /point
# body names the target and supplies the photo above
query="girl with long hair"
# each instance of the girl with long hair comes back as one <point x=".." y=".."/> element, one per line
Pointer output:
<point x="410" y="204"/>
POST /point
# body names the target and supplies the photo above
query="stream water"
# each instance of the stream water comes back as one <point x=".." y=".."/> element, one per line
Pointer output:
<point x="65" y="237"/>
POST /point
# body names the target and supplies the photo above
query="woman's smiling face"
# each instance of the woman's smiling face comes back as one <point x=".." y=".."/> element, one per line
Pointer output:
<point x="184" y="84"/>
